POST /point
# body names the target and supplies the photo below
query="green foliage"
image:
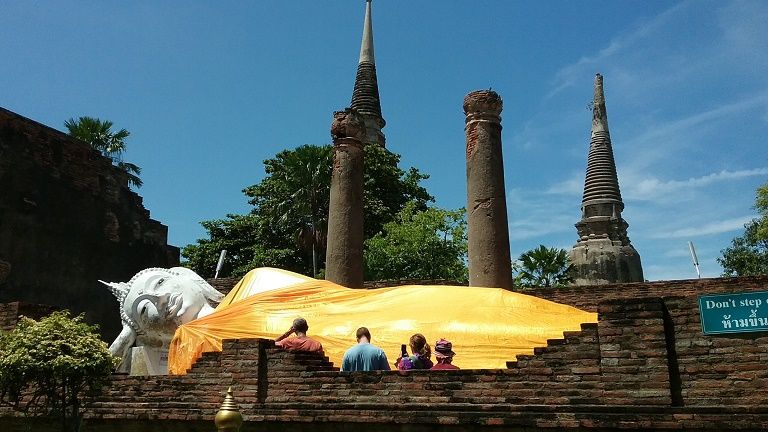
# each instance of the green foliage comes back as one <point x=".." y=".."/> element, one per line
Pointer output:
<point x="289" y="217"/>
<point x="98" y="134"/>
<point x="748" y="253"/>
<point x="388" y="188"/>
<point x="295" y="194"/>
<point x="761" y="205"/>
<point x="51" y="366"/>
<point x="419" y="244"/>
<point x="543" y="267"/>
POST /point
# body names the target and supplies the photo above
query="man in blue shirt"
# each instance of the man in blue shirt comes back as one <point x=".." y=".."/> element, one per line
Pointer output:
<point x="364" y="356"/>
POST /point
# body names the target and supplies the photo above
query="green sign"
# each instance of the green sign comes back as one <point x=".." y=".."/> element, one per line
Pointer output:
<point x="734" y="313"/>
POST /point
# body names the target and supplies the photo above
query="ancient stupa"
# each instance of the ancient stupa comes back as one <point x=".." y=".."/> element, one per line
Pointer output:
<point x="351" y="129"/>
<point x="365" y="97"/>
<point x="603" y="253"/>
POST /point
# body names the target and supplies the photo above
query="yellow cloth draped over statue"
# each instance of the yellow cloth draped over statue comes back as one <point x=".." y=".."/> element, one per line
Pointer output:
<point x="488" y="326"/>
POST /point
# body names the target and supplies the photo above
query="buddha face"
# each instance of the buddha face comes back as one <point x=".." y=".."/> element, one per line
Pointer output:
<point x="164" y="297"/>
<point x="159" y="300"/>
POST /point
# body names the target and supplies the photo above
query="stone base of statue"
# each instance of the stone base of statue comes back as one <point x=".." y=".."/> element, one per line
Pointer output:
<point x="149" y="361"/>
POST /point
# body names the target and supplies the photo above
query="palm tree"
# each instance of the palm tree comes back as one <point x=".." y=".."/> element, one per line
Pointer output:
<point x="98" y="134"/>
<point x="305" y="177"/>
<point x="544" y="267"/>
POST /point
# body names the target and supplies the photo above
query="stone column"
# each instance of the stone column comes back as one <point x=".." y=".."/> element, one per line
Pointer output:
<point x="489" y="258"/>
<point x="344" y="256"/>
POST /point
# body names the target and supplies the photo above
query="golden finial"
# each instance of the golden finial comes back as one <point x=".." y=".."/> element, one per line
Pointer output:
<point x="228" y="419"/>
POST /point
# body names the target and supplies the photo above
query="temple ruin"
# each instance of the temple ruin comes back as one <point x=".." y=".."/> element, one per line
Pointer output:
<point x="646" y="364"/>
<point x="489" y="256"/>
<point x="365" y="97"/>
<point x="68" y="219"/>
<point x="603" y="253"/>
<point x="344" y="255"/>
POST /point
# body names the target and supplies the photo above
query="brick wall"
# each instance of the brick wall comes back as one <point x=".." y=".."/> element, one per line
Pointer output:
<point x="10" y="313"/>
<point x="589" y="297"/>
<point x="224" y="285"/>
<point x="644" y="365"/>
<point x="68" y="219"/>
<point x="721" y="370"/>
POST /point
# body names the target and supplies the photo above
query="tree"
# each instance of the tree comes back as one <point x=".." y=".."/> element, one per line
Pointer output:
<point x="543" y="267"/>
<point x="99" y="135"/>
<point x="289" y="217"/>
<point x="419" y="244"/>
<point x="761" y="205"/>
<point x="52" y="366"/>
<point x="748" y="253"/>
<point x="298" y="194"/>
<point x="246" y="239"/>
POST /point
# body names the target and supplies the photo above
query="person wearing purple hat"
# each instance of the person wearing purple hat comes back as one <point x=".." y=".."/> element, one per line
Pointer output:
<point x="444" y="355"/>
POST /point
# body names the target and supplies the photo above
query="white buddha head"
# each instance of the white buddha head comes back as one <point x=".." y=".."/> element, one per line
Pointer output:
<point x="157" y="300"/>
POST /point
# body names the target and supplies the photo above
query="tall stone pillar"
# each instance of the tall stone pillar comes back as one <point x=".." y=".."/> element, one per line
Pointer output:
<point x="489" y="258"/>
<point x="344" y="256"/>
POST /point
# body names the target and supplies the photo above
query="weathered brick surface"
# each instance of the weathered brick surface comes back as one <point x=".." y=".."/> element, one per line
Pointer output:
<point x="10" y="313"/>
<point x="589" y="297"/>
<point x="721" y="370"/>
<point x="633" y="352"/>
<point x="224" y="285"/>
<point x="718" y="369"/>
<point x="644" y="365"/>
<point x="68" y="219"/>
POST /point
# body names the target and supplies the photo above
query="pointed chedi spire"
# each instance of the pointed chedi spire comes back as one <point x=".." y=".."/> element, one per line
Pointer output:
<point x="603" y="252"/>
<point x="601" y="184"/>
<point x="365" y="97"/>
<point x="366" y="47"/>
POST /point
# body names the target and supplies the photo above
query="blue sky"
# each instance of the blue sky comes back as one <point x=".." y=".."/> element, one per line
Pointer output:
<point x="211" y="89"/>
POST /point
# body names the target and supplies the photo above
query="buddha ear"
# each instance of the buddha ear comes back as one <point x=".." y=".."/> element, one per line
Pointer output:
<point x="119" y="289"/>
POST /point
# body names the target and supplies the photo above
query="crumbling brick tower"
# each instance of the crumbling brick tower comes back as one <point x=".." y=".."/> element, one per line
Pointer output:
<point x="489" y="257"/>
<point x="344" y="254"/>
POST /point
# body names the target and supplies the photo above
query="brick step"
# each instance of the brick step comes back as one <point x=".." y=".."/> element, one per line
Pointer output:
<point x="570" y="339"/>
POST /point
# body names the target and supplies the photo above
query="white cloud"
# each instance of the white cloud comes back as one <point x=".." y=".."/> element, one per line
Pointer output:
<point x="745" y="32"/>
<point x="645" y="187"/>
<point x="677" y="133"/>
<point x="678" y="252"/>
<point x="572" y="186"/>
<point x="716" y="227"/>
<point x="532" y="216"/>
<point x="569" y="75"/>
<point x="652" y="188"/>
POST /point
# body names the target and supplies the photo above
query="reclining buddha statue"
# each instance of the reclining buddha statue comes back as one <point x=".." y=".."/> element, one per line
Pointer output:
<point x="169" y="315"/>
